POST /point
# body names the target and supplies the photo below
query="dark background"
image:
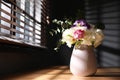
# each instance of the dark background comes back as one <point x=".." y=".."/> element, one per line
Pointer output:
<point x="94" y="11"/>
<point x="15" y="58"/>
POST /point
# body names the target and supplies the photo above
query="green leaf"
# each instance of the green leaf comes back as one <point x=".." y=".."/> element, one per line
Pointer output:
<point x="78" y="43"/>
<point x="55" y="32"/>
<point x="51" y="33"/>
<point x="55" y="20"/>
<point x="58" y="30"/>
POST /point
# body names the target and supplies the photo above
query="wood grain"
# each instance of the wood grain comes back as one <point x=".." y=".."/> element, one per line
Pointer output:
<point x="63" y="73"/>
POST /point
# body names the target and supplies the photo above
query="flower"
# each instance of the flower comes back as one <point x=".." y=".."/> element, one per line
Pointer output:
<point x="79" y="33"/>
<point x="81" y="23"/>
<point x="82" y="33"/>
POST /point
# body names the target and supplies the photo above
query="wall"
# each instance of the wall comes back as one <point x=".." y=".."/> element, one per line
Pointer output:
<point x="20" y="58"/>
<point x="107" y="12"/>
<point x="66" y="8"/>
<point x="60" y="10"/>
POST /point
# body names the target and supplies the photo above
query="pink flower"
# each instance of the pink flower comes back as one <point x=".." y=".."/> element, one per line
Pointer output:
<point x="78" y="34"/>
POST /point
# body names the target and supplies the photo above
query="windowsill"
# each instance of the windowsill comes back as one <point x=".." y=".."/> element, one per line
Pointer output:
<point x="18" y="42"/>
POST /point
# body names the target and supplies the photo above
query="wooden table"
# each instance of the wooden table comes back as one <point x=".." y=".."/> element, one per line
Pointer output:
<point x="63" y="73"/>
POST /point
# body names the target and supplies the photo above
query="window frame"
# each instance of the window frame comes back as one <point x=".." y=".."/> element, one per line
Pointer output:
<point x="13" y="27"/>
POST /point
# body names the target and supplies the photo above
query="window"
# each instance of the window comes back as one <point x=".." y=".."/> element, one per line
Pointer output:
<point x="23" y="21"/>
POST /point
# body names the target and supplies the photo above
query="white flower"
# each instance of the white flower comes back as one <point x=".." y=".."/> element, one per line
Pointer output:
<point x="99" y="36"/>
<point x="81" y="33"/>
<point x="68" y="37"/>
<point x="89" y="37"/>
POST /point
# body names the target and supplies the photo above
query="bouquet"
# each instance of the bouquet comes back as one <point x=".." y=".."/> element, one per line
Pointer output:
<point x="82" y="33"/>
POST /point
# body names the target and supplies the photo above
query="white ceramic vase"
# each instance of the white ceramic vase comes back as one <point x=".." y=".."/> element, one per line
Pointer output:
<point x="83" y="61"/>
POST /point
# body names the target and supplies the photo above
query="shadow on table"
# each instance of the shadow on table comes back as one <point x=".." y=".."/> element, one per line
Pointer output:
<point x="107" y="74"/>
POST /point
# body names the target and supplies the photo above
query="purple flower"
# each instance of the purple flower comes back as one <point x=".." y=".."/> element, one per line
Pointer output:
<point x="81" y="23"/>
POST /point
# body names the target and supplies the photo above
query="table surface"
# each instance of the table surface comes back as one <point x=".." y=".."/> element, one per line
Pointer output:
<point x="63" y="73"/>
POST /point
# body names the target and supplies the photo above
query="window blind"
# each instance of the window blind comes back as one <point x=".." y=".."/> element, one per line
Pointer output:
<point x="23" y="21"/>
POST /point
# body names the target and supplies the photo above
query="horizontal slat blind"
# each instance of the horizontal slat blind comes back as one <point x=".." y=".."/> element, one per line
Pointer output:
<point x="23" y="21"/>
<point x="107" y="12"/>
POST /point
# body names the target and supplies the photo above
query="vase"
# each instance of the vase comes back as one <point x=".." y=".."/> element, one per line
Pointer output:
<point x="83" y="61"/>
